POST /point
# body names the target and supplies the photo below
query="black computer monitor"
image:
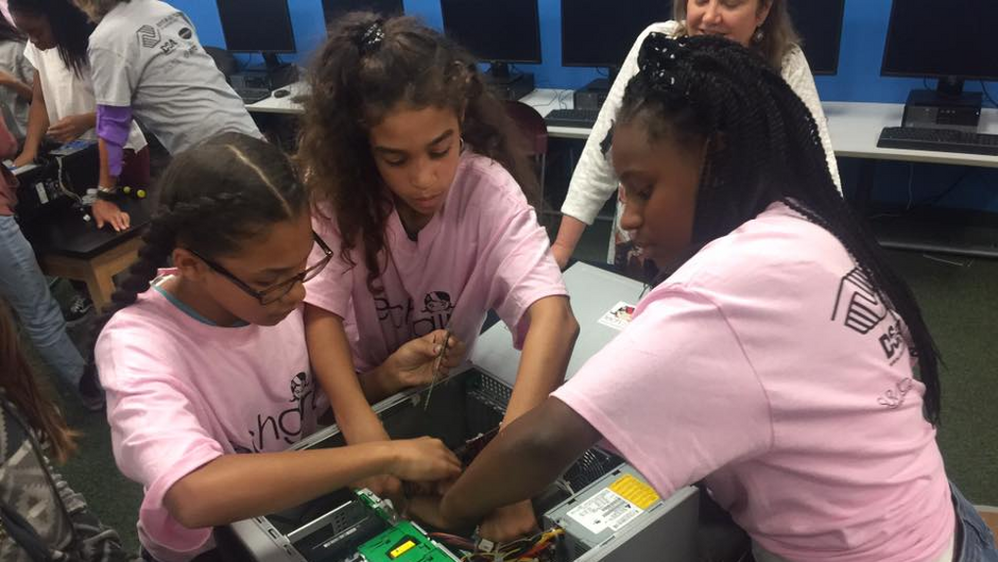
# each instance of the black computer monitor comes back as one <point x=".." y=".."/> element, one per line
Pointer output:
<point x="599" y="33"/>
<point x="819" y="23"/>
<point x="333" y="9"/>
<point x="953" y="41"/>
<point x="257" y="26"/>
<point x="501" y="32"/>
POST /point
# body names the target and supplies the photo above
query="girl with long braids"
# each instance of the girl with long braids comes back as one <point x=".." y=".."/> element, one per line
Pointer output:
<point x="420" y="184"/>
<point x="208" y="359"/>
<point x="765" y="27"/>
<point x="781" y="360"/>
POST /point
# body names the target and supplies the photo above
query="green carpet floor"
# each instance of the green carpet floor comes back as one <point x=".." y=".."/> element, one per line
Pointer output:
<point x="959" y="302"/>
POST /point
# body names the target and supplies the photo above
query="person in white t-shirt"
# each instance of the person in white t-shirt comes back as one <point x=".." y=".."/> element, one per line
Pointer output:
<point x="63" y="107"/>
<point x="205" y="366"/>
<point x="16" y="77"/>
<point x="761" y="25"/>
<point x="148" y="64"/>
<point x="781" y="360"/>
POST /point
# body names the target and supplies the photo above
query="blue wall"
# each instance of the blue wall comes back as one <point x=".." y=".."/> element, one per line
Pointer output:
<point x="858" y="79"/>
<point x="859" y="67"/>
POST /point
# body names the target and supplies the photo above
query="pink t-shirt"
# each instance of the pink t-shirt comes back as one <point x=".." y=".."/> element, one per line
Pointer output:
<point x="483" y="250"/>
<point x="767" y="366"/>
<point x="181" y="393"/>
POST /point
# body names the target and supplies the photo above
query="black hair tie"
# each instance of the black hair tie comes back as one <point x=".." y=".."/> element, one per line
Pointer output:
<point x="372" y="38"/>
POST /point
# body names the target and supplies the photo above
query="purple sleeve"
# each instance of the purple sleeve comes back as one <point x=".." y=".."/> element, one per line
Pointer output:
<point x="113" y="126"/>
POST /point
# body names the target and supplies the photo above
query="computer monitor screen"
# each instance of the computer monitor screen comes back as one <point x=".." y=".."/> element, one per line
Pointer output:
<point x="819" y="23"/>
<point x="601" y="33"/>
<point x="257" y="26"/>
<point x="333" y="9"/>
<point x="958" y="41"/>
<point x="504" y="31"/>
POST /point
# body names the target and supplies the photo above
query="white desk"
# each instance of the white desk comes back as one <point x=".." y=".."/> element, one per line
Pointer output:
<point x="286" y="105"/>
<point x="855" y="127"/>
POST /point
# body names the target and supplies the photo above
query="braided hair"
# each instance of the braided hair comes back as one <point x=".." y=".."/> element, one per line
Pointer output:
<point x="213" y="198"/>
<point x="368" y="67"/>
<point x="762" y="147"/>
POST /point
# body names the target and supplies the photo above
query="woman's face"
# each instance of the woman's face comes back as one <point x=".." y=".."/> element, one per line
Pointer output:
<point x="36" y="27"/>
<point x="736" y="20"/>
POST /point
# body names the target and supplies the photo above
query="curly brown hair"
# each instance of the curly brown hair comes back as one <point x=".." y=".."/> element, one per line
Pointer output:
<point x="369" y="66"/>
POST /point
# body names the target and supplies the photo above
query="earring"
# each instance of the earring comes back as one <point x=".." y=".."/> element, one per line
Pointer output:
<point x="462" y="144"/>
<point x="759" y="35"/>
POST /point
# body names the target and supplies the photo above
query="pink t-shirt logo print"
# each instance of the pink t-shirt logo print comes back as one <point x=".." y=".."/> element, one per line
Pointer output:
<point x="437" y="308"/>
<point x="858" y="303"/>
<point x="863" y="311"/>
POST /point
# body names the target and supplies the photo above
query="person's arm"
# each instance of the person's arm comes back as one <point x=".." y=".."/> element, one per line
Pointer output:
<point x="332" y="360"/>
<point x="552" y="437"/>
<point x="235" y="487"/>
<point x="23" y="90"/>
<point x="594" y="180"/>
<point x="38" y="123"/>
<point x="546" y="352"/>
<point x="113" y="126"/>
<point x="797" y="74"/>
<point x="8" y="144"/>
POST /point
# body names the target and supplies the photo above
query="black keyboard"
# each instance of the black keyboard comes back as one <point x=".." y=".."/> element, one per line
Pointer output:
<point x="252" y="95"/>
<point x="940" y="140"/>
<point x="581" y="118"/>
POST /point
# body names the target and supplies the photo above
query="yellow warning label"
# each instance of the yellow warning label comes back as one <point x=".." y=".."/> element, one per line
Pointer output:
<point x="635" y="491"/>
<point x="401" y="549"/>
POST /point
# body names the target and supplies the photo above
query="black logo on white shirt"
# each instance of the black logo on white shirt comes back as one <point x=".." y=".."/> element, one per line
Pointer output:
<point x="148" y="36"/>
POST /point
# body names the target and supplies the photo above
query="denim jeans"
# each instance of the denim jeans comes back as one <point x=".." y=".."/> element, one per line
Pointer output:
<point x="25" y="289"/>
<point x="974" y="542"/>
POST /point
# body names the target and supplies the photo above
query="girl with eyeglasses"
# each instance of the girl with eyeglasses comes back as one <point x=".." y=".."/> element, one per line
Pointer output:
<point x="206" y="361"/>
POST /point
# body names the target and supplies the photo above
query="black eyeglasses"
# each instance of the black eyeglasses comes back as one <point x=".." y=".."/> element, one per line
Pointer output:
<point x="276" y="292"/>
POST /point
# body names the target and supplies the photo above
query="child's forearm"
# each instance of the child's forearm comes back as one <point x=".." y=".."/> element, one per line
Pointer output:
<point x="519" y="463"/>
<point x="329" y="352"/>
<point x="546" y="352"/>
<point x="235" y="487"/>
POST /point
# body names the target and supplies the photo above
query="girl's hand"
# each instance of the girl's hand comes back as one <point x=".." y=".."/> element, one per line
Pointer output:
<point x="509" y="523"/>
<point x="423" y="460"/>
<point x="72" y="127"/>
<point x="106" y="212"/>
<point x="25" y="158"/>
<point x="416" y="364"/>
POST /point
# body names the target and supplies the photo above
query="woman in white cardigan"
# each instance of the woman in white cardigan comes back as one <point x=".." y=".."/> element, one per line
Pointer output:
<point x="763" y="25"/>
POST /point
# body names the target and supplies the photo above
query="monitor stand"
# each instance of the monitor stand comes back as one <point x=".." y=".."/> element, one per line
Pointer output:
<point x="946" y="107"/>
<point x="593" y="94"/>
<point x="507" y="85"/>
<point x="279" y="74"/>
